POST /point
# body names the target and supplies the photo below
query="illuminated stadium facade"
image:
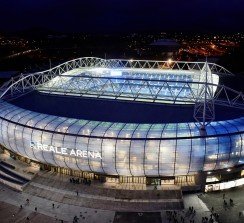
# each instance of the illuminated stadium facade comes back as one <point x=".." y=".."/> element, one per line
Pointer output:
<point x="79" y="116"/>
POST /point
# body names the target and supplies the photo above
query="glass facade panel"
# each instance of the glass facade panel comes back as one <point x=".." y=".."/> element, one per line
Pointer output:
<point x="108" y="156"/>
<point x="183" y="154"/>
<point x="224" y="152"/>
<point x="36" y="136"/>
<point x="123" y="149"/>
<point x="82" y="145"/>
<point x="197" y="154"/>
<point x="155" y="131"/>
<point x="151" y="165"/>
<point x="69" y="143"/>
<point x="212" y="151"/>
<point x="95" y="145"/>
<point x="47" y="139"/>
<point x="167" y="157"/>
<point x="122" y="157"/>
<point x="18" y="138"/>
<point x="10" y="136"/>
<point x="136" y="154"/>
<point x="4" y="129"/>
<point x="26" y="141"/>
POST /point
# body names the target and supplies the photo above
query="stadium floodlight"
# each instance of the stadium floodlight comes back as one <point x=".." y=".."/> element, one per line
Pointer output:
<point x="169" y="61"/>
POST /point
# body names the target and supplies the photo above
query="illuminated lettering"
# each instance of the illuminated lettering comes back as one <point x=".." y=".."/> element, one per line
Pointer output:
<point x="65" y="151"/>
<point x="84" y="153"/>
<point x="79" y="153"/>
<point x="91" y="154"/>
<point x="72" y="152"/>
<point x="58" y="151"/>
<point x="51" y="149"/>
<point x="39" y="146"/>
<point x="45" y="147"/>
<point x="98" y="155"/>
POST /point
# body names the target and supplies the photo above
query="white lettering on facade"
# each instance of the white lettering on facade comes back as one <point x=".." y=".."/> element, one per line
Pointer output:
<point x="58" y="150"/>
<point x="91" y="154"/>
<point x="45" y="147"/>
<point x="51" y="149"/>
<point x="84" y="153"/>
<point x="72" y="152"/>
<point x="65" y="151"/>
<point x="78" y="153"/>
<point x="98" y="155"/>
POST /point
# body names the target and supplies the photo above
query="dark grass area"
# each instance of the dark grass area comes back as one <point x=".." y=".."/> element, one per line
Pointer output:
<point x="115" y="111"/>
<point x="230" y="213"/>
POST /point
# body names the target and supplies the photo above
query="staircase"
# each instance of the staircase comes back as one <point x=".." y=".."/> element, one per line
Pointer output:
<point x="11" y="178"/>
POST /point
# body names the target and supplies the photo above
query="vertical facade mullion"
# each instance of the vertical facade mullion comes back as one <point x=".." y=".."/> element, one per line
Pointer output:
<point x="32" y="140"/>
<point x="202" y="140"/>
<point x="217" y="150"/>
<point x="190" y="150"/>
<point x="241" y="139"/>
<point x="27" y="127"/>
<point x="5" y="107"/>
<point x="76" y="142"/>
<point x="159" y="148"/>
<point x="205" y="149"/>
<point x="130" y="147"/>
<point x="51" y="139"/>
<point x="144" y="151"/>
<point x="21" y="133"/>
<point x="230" y="141"/>
<point x="13" y="111"/>
<point x="239" y="135"/>
<point x="115" y="157"/>
<point x="7" y="128"/>
<point x="33" y="132"/>
<point x="65" y="135"/>
<point x="88" y="145"/>
<point x="177" y="125"/>
<point x="102" y="145"/>
<point x="54" y="132"/>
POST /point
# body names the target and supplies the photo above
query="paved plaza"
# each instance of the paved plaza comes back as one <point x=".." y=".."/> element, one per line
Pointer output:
<point x="227" y="213"/>
<point x="45" y="210"/>
<point x="10" y="211"/>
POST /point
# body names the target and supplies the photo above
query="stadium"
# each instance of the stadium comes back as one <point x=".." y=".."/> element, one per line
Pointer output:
<point x="133" y="121"/>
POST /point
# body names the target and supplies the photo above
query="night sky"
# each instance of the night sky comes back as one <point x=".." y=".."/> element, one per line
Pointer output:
<point x="114" y="16"/>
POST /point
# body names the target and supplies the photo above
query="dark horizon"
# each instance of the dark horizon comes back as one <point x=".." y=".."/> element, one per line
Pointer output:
<point x="42" y="31"/>
<point x="103" y="17"/>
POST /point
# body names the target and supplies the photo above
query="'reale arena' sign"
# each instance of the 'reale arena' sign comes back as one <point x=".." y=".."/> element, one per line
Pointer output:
<point x="65" y="151"/>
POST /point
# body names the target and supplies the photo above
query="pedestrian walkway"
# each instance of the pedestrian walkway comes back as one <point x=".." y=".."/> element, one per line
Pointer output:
<point x="10" y="210"/>
<point x="61" y="211"/>
<point x="11" y="213"/>
<point x="60" y="188"/>
<point x="201" y="210"/>
<point x="230" y="212"/>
